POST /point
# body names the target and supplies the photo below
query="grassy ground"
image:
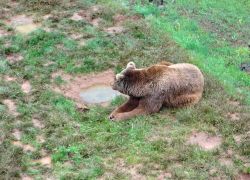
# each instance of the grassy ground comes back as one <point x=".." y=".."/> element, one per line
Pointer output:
<point x="85" y="145"/>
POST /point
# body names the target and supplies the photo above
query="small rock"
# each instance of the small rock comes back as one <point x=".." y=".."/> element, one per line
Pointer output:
<point x="26" y="87"/>
<point x="47" y="16"/>
<point x="245" y="67"/>
<point x="76" y="17"/>
<point x="237" y="139"/>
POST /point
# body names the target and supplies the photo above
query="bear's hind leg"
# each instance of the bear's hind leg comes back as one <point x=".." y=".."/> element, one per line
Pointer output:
<point x="185" y="100"/>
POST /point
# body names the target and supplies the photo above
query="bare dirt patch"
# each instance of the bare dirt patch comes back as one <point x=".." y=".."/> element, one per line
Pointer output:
<point x="13" y="58"/>
<point x="9" y="78"/>
<point x="75" y="84"/>
<point x="11" y="106"/>
<point x="25" y="147"/>
<point x="96" y="22"/>
<point x="234" y="103"/>
<point x="76" y="36"/>
<point x="243" y="176"/>
<point x="17" y="134"/>
<point x="164" y="175"/>
<point x="26" y="87"/>
<point x="90" y="15"/>
<point x="115" y="30"/>
<point x="132" y="171"/>
<point x="76" y="17"/>
<point x="226" y="161"/>
<point x="119" y="19"/>
<point x="204" y="140"/>
<point x="47" y="16"/>
<point x="26" y="177"/>
<point x="45" y="161"/>
<point x="160" y="133"/>
<point x="233" y="116"/>
<point x="40" y="139"/>
<point x="237" y="139"/>
<point x="37" y="123"/>
<point x="23" y="24"/>
<point x="49" y="63"/>
<point x="3" y="33"/>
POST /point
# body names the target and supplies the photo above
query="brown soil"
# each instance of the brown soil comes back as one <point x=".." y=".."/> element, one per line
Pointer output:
<point x="40" y="139"/>
<point x="75" y="84"/>
<point x="26" y="177"/>
<point x="76" y="17"/>
<point x="20" y="20"/>
<point x="17" y="134"/>
<point x="119" y="19"/>
<point x="237" y="138"/>
<point x="25" y="147"/>
<point x="160" y="133"/>
<point x="22" y="24"/>
<point x="47" y="16"/>
<point x="115" y="30"/>
<point x="88" y="15"/>
<point x="243" y="176"/>
<point x="234" y="103"/>
<point x="37" y="123"/>
<point x="13" y="58"/>
<point x="49" y="63"/>
<point x="96" y="22"/>
<point x="76" y="36"/>
<point x="45" y="161"/>
<point x="26" y="87"/>
<point x="164" y="175"/>
<point x="8" y="78"/>
<point x="3" y="33"/>
<point x="226" y="161"/>
<point x="234" y="116"/>
<point x="204" y="140"/>
<point x="132" y="172"/>
<point x="11" y="106"/>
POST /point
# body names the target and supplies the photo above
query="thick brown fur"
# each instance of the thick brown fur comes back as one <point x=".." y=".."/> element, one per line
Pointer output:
<point x="163" y="84"/>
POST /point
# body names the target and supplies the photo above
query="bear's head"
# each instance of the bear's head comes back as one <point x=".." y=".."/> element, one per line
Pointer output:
<point x="121" y="79"/>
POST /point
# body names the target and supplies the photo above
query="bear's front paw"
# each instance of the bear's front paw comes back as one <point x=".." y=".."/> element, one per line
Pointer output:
<point x="111" y="117"/>
<point x="117" y="117"/>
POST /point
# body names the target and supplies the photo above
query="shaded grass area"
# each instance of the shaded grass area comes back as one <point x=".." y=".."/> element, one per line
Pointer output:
<point x="86" y="145"/>
<point x="208" y="50"/>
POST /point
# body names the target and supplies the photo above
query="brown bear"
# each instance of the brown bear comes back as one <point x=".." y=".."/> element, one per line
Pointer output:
<point x="163" y="84"/>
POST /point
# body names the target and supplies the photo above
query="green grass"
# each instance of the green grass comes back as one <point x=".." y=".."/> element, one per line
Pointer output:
<point x="85" y="145"/>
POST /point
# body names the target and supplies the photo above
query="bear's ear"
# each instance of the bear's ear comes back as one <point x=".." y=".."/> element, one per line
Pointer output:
<point x="131" y="65"/>
<point x="119" y="76"/>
